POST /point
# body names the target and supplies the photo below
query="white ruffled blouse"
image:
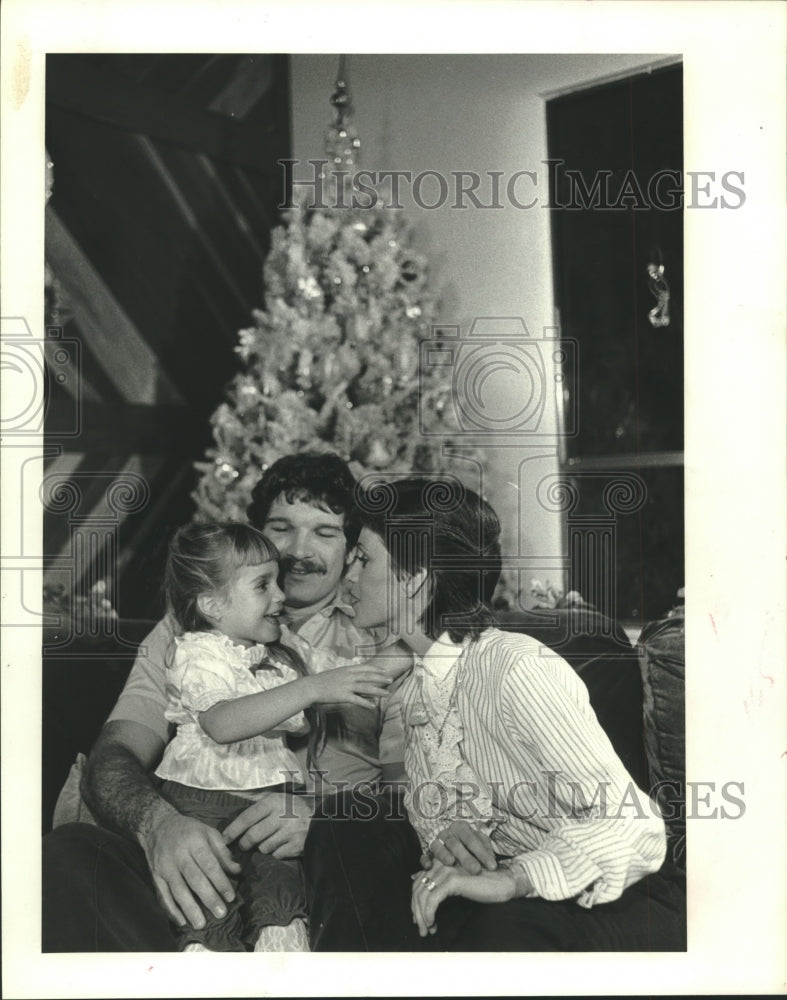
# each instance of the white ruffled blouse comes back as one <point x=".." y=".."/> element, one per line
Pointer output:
<point x="208" y="668"/>
<point x="448" y="787"/>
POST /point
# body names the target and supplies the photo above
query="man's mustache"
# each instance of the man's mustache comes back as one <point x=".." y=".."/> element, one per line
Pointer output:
<point x="287" y="565"/>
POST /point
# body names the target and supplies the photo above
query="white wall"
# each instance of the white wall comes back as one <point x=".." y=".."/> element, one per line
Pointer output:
<point x="481" y="113"/>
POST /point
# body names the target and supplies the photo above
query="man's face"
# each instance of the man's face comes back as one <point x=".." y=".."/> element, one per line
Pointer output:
<point x="313" y="550"/>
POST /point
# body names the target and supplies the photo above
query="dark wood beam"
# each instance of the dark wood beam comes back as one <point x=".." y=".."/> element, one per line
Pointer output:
<point x="149" y="430"/>
<point x="71" y="83"/>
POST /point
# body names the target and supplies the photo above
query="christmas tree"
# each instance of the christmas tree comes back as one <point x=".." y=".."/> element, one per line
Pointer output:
<point x="332" y="361"/>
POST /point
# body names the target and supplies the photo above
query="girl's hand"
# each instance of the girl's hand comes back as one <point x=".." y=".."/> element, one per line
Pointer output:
<point x="357" y="684"/>
<point x="431" y="887"/>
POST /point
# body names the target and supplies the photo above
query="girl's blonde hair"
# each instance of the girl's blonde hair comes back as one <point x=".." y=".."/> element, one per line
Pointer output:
<point x="204" y="558"/>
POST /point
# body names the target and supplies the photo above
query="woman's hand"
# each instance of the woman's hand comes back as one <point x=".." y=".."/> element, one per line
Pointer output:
<point x="460" y="842"/>
<point x="357" y="684"/>
<point x="431" y="887"/>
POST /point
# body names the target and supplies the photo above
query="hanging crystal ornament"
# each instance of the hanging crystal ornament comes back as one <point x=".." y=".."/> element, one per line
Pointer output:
<point x="657" y="283"/>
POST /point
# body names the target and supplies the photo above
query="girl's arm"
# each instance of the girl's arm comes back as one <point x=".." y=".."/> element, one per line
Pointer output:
<point x="254" y="714"/>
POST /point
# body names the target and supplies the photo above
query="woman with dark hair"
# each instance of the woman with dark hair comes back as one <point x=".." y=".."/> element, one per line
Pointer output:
<point x="552" y="845"/>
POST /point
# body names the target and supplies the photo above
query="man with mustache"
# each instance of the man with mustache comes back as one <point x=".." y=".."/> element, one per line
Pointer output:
<point x="99" y="881"/>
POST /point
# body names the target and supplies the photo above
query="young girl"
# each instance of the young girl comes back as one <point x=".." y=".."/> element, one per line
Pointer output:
<point x="236" y="685"/>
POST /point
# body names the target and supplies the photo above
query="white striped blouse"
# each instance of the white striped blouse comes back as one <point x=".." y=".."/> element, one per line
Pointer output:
<point x="565" y="812"/>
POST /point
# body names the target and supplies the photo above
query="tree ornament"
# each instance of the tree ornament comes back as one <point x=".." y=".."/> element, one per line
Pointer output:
<point x="270" y="384"/>
<point x="409" y="270"/>
<point x="225" y="473"/>
<point x="304" y="369"/>
<point x="377" y="456"/>
<point x="360" y="328"/>
<point x="309" y="287"/>
<point x="328" y="367"/>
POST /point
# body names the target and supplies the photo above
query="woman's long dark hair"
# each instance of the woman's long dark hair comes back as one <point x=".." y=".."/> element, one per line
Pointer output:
<point x="203" y="558"/>
<point x="439" y="525"/>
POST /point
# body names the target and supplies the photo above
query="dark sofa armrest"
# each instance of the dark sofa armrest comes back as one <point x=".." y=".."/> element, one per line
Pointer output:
<point x="81" y="680"/>
<point x="662" y="657"/>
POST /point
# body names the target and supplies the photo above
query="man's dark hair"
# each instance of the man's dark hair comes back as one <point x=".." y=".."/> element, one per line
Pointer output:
<point x="438" y="525"/>
<point x="318" y="478"/>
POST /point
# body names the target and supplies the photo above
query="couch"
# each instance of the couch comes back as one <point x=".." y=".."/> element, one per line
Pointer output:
<point x="637" y="695"/>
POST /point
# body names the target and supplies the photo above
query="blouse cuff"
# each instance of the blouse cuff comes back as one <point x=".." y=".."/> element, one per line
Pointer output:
<point x="431" y="829"/>
<point x="547" y="879"/>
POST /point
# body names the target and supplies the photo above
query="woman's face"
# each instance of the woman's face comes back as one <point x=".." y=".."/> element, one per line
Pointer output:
<point x="380" y="597"/>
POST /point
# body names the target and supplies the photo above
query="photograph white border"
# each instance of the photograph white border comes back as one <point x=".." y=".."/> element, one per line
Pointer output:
<point x="733" y="59"/>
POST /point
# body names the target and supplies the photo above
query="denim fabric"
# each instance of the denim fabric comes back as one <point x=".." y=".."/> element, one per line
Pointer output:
<point x="267" y="891"/>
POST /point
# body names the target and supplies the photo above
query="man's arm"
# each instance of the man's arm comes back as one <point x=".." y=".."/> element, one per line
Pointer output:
<point x="185" y="856"/>
<point x="116" y="782"/>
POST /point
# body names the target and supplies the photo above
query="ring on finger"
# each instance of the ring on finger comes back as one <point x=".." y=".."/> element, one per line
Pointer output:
<point x="430" y="884"/>
<point x="440" y="841"/>
<point x="425" y="880"/>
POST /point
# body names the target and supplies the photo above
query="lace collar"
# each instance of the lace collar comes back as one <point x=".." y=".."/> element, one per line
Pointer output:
<point x="441" y="657"/>
<point x="251" y="655"/>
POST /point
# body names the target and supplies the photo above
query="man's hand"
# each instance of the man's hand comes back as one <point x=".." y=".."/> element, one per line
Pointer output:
<point x="461" y="843"/>
<point x="276" y="824"/>
<point x="187" y="859"/>
<point x="431" y="887"/>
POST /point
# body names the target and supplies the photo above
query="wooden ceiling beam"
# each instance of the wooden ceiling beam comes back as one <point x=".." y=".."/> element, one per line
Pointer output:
<point x="74" y="85"/>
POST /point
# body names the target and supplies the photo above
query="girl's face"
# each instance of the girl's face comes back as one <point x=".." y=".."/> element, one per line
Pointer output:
<point x="250" y="612"/>
<point x="382" y="598"/>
